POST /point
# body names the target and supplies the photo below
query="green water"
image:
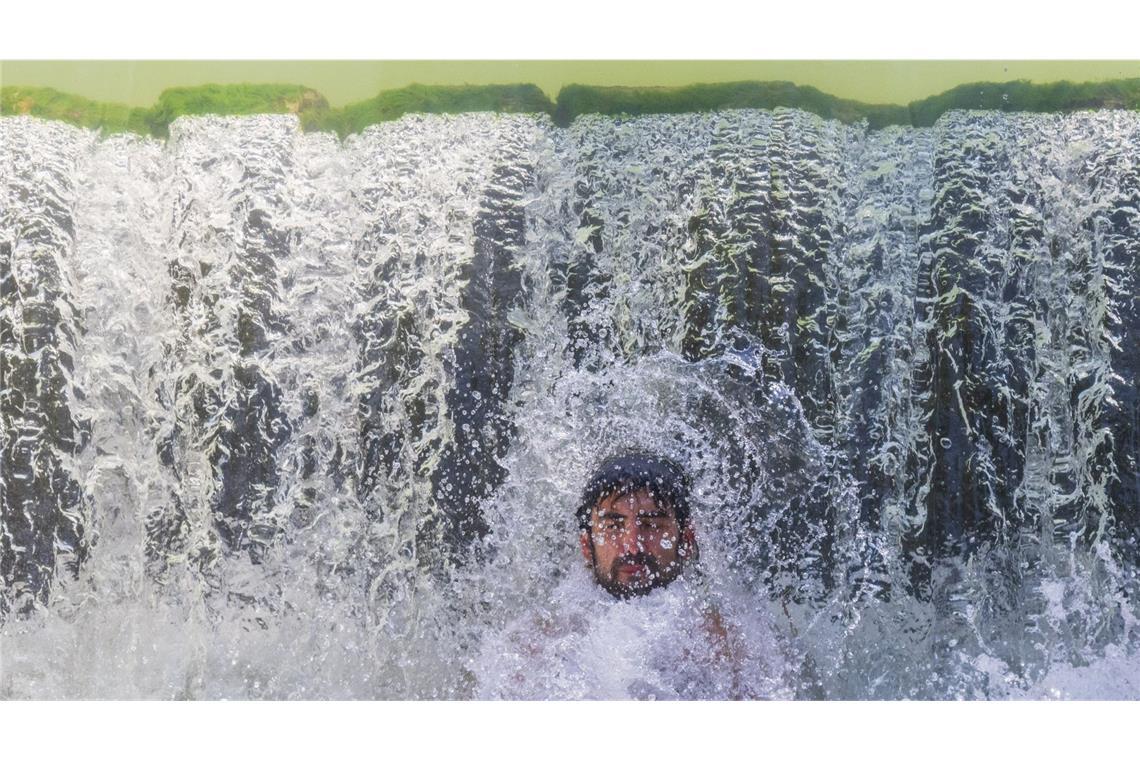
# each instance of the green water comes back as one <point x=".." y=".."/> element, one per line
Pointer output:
<point x="138" y="83"/>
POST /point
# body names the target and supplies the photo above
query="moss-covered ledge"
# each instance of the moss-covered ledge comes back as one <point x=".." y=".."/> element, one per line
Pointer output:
<point x="236" y="100"/>
<point x="245" y="99"/>
<point x="418" y="98"/>
<point x="1054" y="97"/>
<point x="574" y="100"/>
<point x="47" y="103"/>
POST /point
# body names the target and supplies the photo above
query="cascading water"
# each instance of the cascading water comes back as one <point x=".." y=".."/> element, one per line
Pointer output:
<point x="286" y="417"/>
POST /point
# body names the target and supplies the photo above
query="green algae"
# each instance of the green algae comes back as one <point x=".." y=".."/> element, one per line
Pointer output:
<point x="574" y="100"/>
<point x="236" y="100"/>
<point x="48" y="103"/>
<point x="1021" y="95"/>
<point x="417" y="98"/>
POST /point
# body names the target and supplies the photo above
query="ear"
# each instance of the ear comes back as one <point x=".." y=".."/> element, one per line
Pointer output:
<point x="587" y="545"/>
<point x="688" y="547"/>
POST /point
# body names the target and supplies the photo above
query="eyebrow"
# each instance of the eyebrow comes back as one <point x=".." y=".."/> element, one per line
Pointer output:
<point x="603" y="514"/>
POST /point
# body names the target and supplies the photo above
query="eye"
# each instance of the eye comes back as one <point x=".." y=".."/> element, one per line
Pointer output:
<point x="657" y="524"/>
<point x="612" y="524"/>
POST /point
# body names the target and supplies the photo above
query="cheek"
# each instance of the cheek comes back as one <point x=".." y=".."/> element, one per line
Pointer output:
<point x="602" y="548"/>
<point x="664" y="549"/>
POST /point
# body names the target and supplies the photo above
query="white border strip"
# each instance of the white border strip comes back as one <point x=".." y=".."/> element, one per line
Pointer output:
<point x="575" y="29"/>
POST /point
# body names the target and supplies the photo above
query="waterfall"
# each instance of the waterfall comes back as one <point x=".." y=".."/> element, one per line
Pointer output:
<point x="283" y="416"/>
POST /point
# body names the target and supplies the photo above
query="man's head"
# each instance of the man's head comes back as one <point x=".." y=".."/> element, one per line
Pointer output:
<point x="634" y="524"/>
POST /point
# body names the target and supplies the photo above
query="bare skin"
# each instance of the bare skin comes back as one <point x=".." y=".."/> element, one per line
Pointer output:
<point x="635" y="544"/>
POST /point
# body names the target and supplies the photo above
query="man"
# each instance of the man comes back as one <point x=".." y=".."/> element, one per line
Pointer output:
<point x="634" y="524"/>
<point x="658" y="633"/>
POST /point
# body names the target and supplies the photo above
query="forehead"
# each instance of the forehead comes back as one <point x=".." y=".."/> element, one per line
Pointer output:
<point x="633" y="503"/>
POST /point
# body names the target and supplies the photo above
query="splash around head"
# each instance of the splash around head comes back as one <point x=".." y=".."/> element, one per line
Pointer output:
<point x="633" y="522"/>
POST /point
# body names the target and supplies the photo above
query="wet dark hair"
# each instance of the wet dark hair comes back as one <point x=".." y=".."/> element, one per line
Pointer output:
<point x="635" y="471"/>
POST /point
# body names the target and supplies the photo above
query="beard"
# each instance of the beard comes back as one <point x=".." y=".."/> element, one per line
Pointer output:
<point x="654" y="576"/>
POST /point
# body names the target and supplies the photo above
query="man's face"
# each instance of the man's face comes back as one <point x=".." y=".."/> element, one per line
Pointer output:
<point x="635" y="544"/>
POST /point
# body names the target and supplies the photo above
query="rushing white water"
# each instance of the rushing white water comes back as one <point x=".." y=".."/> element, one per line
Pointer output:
<point x="285" y="417"/>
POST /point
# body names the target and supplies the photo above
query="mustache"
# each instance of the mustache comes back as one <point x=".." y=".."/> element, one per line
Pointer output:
<point x="640" y="558"/>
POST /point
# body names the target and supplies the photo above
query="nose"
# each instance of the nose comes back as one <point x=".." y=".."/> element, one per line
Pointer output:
<point x="632" y="539"/>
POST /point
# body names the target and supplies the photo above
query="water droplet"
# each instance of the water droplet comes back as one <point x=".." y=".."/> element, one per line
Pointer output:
<point x="946" y="443"/>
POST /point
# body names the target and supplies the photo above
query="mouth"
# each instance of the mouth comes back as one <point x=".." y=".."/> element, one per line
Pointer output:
<point x="632" y="567"/>
<point x="633" y="575"/>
